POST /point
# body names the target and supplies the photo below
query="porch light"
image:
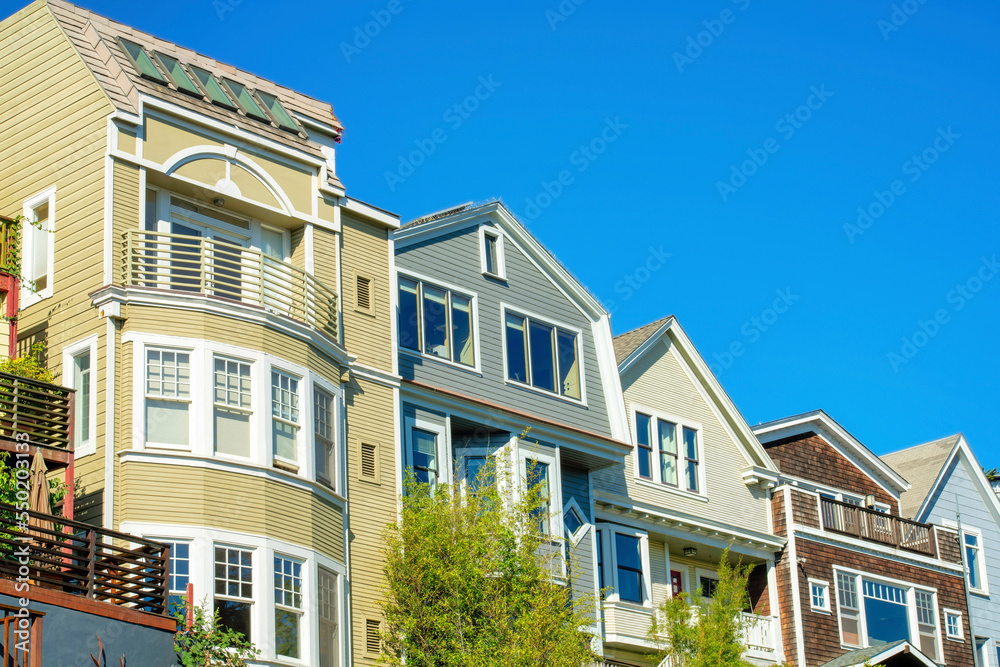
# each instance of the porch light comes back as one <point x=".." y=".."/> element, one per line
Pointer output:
<point x="690" y="552"/>
<point x="870" y="500"/>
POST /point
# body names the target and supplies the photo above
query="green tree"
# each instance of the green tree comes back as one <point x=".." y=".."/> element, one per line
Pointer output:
<point x="29" y="365"/>
<point x="705" y="632"/>
<point x="209" y="643"/>
<point x="471" y="579"/>
<point x="992" y="474"/>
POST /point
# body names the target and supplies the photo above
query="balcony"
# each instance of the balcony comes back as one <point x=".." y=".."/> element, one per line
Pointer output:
<point x="874" y="526"/>
<point x="39" y="413"/>
<point x="228" y="271"/>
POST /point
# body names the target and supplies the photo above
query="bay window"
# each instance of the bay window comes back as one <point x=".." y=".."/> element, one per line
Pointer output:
<point x="284" y="415"/>
<point x="624" y="552"/>
<point x="326" y="461"/>
<point x="542" y="355"/>
<point x="288" y="609"/>
<point x="168" y="397"/>
<point x="628" y="562"/>
<point x="329" y="643"/>
<point x="436" y="322"/>
<point x="232" y="407"/>
<point x="234" y="588"/>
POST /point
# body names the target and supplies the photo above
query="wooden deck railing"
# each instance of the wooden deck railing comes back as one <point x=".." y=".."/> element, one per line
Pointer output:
<point x="227" y="270"/>
<point x="42" y="411"/>
<point x="21" y="644"/>
<point x="84" y="560"/>
<point x="875" y="526"/>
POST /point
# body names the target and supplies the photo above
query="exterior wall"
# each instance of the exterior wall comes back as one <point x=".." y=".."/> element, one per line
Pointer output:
<point x="454" y="259"/>
<point x="810" y="457"/>
<point x="43" y="78"/>
<point x="365" y="250"/>
<point x="660" y="381"/>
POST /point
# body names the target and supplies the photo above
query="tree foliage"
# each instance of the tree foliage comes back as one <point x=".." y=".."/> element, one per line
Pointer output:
<point x="992" y="474"/>
<point x="469" y="580"/>
<point x="29" y="365"/>
<point x="209" y="643"/>
<point x="705" y="632"/>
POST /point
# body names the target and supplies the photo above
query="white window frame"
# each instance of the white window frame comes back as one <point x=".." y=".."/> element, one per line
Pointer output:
<point x="656" y="472"/>
<point x="410" y="422"/>
<point x="484" y="231"/>
<point x="29" y="236"/>
<point x="252" y="412"/>
<point x="70" y="353"/>
<point x="449" y="288"/>
<point x="334" y="479"/>
<point x="983" y="588"/>
<point x="142" y="372"/>
<point x="825" y="586"/>
<point x="255" y="581"/>
<point x="301" y="611"/>
<point x="610" y="559"/>
<point x="700" y="573"/>
<point x="953" y="613"/>
<point x="300" y="393"/>
<point x="581" y="532"/>
<point x="547" y="321"/>
<point x="525" y="454"/>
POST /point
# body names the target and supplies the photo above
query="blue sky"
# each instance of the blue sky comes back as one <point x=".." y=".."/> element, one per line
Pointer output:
<point x="740" y="138"/>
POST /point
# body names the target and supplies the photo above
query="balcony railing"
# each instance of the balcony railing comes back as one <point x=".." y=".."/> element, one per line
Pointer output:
<point x="760" y="634"/>
<point x="227" y="270"/>
<point x="83" y="560"/>
<point x="875" y="526"/>
<point x="38" y="411"/>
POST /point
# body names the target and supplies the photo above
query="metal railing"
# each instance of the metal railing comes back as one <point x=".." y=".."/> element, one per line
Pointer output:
<point x="83" y="560"/>
<point x="875" y="526"/>
<point x="227" y="270"/>
<point x="42" y="411"/>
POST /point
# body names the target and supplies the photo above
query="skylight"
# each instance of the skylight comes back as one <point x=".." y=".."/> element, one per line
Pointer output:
<point x="178" y="76"/>
<point x="246" y="100"/>
<point x="282" y="117"/>
<point x="142" y="61"/>
<point x="212" y="87"/>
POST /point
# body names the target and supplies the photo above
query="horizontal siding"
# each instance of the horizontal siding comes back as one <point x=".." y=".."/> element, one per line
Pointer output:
<point x="366" y="250"/>
<point x="582" y="571"/>
<point x="576" y="484"/>
<point x="658" y="381"/>
<point x="454" y="259"/>
<point x="162" y="493"/>
<point x="325" y="257"/>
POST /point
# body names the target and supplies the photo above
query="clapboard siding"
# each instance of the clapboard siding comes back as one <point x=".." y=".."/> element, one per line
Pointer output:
<point x="658" y="381"/>
<point x="366" y="251"/>
<point x="454" y="259"/>
<point x="576" y="484"/>
<point x="581" y="569"/>
<point x="325" y="257"/>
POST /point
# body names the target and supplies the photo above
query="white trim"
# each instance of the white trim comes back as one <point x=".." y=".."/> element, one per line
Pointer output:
<point x="981" y="565"/>
<point x="704" y="573"/>
<point x="443" y="462"/>
<point x="825" y="585"/>
<point x="497" y="235"/>
<point x="370" y="213"/>
<point x="110" y="412"/>
<point x="614" y="397"/>
<point x="69" y="354"/>
<point x="961" y="625"/>
<point x="524" y="453"/>
<point x="656" y="470"/>
<point x="29" y="236"/>
<point x="608" y="541"/>
<point x="447" y="287"/>
<point x="874" y="548"/>
<point x="585" y="525"/>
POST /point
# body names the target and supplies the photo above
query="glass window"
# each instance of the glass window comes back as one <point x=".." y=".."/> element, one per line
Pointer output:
<point x="543" y="362"/>
<point x="180" y="574"/>
<point x="281" y="117"/>
<point x="37" y="241"/>
<point x="538" y="482"/>
<point x="926" y="623"/>
<point x="326" y="462"/>
<point x="215" y="92"/>
<point x="246" y="100"/>
<point x="569" y="368"/>
<point x="232" y="407"/>
<point x="178" y="76"/>
<point x="629" y="562"/>
<point x="285" y="415"/>
<point x="953" y="624"/>
<point x="461" y="329"/>
<point x="668" y="452"/>
<point x="708" y="586"/>
<point x="491" y="255"/>
<point x="329" y="643"/>
<point x="573" y="521"/>
<point x="517" y="349"/>
<point x="691" y="458"/>
<point x="645" y="450"/>
<point x="168" y="397"/>
<point x="234" y="588"/>
<point x="818" y="596"/>
<point x="885" y="612"/>
<point x="542" y="356"/>
<point x="600" y="562"/>
<point x="287" y="607"/>
<point x="142" y="61"/>
<point x="409" y="314"/>
<point x="477" y="473"/>
<point x="424" y="453"/>
<point x="83" y="420"/>
<point x="850" y="627"/>
<point x="972" y="561"/>
<point x="436" y="321"/>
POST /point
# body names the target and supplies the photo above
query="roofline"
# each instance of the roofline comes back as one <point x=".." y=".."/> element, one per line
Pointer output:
<point x="903" y="647"/>
<point x="822" y="419"/>
<point x="982" y="484"/>
<point x="646" y="345"/>
<point x="370" y="212"/>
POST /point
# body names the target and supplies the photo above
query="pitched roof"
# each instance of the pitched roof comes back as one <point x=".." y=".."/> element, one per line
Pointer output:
<point x="96" y="37"/>
<point x="882" y="652"/>
<point x="920" y="465"/>
<point x="627" y="343"/>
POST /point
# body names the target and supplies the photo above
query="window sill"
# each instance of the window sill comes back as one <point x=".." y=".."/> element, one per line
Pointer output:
<point x="826" y="612"/>
<point x="983" y="593"/>
<point x="544" y="392"/>
<point x="957" y="640"/>
<point x="494" y="276"/>
<point x="628" y="604"/>
<point x="690" y="495"/>
<point x="473" y="370"/>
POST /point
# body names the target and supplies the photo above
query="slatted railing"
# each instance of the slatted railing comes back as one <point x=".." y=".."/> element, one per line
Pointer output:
<point x="227" y="270"/>
<point x="21" y="642"/>
<point x="875" y="526"/>
<point x="41" y="411"/>
<point x="84" y="560"/>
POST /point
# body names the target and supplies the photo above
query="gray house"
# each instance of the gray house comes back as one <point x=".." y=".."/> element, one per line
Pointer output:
<point x="502" y="353"/>
<point x="948" y="486"/>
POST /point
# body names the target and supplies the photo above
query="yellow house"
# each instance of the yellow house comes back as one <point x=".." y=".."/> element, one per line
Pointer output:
<point x="222" y="309"/>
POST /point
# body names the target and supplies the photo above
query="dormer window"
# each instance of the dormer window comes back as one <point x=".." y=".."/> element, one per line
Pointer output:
<point x="142" y="61"/>
<point x="491" y="253"/>
<point x="178" y="76"/>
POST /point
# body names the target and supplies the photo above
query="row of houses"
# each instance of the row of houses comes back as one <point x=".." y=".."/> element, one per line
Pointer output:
<point x="256" y="358"/>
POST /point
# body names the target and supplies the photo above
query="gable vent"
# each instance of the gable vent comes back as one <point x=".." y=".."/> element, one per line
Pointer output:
<point x="364" y="293"/>
<point x="373" y="643"/>
<point x="369" y="460"/>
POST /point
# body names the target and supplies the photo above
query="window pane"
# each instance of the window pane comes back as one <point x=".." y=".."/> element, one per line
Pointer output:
<point x="284" y="396"/>
<point x="668" y="452"/>
<point x="630" y="585"/>
<point x="142" y="61"/>
<point x="284" y="438"/>
<point x="491" y="254"/>
<point x="283" y="118"/>
<point x="178" y="75"/>
<point x="691" y="465"/>
<point x="628" y="551"/>
<point x="477" y="473"/>
<point x="323" y="418"/>
<point x="461" y="327"/>
<point x="569" y="368"/>
<point x="232" y="432"/>
<point x="232" y="383"/>
<point x="435" y="322"/>
<point x="286" y="633"/>
<point x="538" y="481"/>
<point x="329" y="648"/>
<point x="272" y="244"/>
<point x="643" y="451"/>
<point x="517" y="366"/>
<point x="234" y="615"/>
<point x="81" y="382"/>
<point x="167" y="422"/>
<point x="40" y="239"/>
<point x="215" y="92"/>
<point x="246" y="100"/>
<point x="886" y="621"/>
<point x="573" y="521"/>
<point x="708" y="586"/>
<point x="424" y="454"/>
<point x="409" y="315"/>
<point x="543" y="374"/>
<point x="150" y="222"/>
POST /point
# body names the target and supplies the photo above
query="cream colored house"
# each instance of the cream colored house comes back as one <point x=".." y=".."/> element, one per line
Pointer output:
<point x="222" y="309"/>
<point x="695" y="482"/>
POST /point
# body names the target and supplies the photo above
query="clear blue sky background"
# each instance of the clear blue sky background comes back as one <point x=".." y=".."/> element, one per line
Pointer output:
<point x="656" y="184"/>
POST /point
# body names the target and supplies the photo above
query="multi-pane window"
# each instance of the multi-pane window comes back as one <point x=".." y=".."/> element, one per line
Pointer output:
<point x="819" y="596"/>
<point x="891" y="613"/>
<point x="83" y="427"/>
<point x="644" y="453"/>
<point x="329" y="644"/>
<point x="287" y="607"/>
<point x="231" y="393"/>
<point x="974" y="561"/>
<point x="708" y="586"/>
<point x="234" y="588"/>
<point x="180" y="573"/>
<point x="953" y="625"/>
<point x="540" y="486"/>
<point x="38" y="242"/>
<point x="284" y="415"/>
<point x="628" y="556"/>
<point x="691" y="459"/>
<point x="600" y="562"/>
<point x="424" y="455"/>
<point x="168" y="397"/>
<point x="926" y="623"/>
<point x="849" y="608"/>
<point x="657" y="440"/>
<point x="542" y="355"/>
<point x="436" y="322"/>
<point x="325" y="437"/>
<point x="668" y="451"/>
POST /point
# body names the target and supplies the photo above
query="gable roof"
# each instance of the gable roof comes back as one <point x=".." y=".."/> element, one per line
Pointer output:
<point x="633" y="345"/>
<point x="880" y="652"/>
<point x="95" y="39"/>
<point x="824" y="425"/>
<point x="920" y="465"/>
